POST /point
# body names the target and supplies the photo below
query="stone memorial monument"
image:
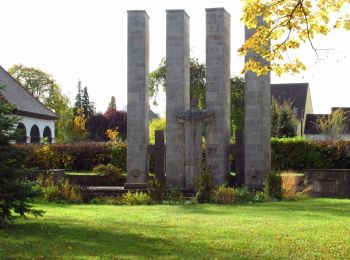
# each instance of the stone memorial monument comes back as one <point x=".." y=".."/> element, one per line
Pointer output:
<point x="184" y="123"/>
<point x="193" y="120"/>
<point x="257" y="124"/>
<point x="138" y="99"/>
<point x="177" y="94"/>
<point x="218" y="95"/>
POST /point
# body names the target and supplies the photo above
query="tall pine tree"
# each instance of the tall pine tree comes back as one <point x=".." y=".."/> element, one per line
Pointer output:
<point x="15" y="193"/>
<point x="87" y="106"/>
<point x="78" y="99"/>
<point x="112" y="104"/>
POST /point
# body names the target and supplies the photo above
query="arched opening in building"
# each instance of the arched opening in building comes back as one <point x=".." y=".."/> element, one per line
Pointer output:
<point x="47" y="134"/>
<point x="34" y="135"/>
<point x="22" y="134"/>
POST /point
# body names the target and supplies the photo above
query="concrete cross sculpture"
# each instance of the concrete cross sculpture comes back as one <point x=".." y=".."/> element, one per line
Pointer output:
<point x="193" y="119"/>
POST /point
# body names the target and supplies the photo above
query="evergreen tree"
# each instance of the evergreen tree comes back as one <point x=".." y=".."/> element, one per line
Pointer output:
<point x="87" y="106"/>
<point x="283" y="119"/>
<point x="78" y="99"/>
<point x="14" y="192"/>
<point x="112" y="104"/>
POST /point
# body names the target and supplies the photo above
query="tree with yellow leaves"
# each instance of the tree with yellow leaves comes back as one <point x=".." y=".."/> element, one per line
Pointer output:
<point x="79" y="129"/>
<point x="285" y="25"/>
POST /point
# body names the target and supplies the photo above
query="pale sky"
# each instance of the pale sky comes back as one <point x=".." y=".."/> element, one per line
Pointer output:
<point x="86" y="39"/>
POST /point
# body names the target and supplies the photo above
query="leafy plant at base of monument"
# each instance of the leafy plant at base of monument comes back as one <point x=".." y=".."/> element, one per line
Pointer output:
<point x="136" y="198"/>
<point x="204" y="185"/>
<point x="225" y="195"/>
<point x="175" y="197"/>
<point x="230" y="195"/>
<point x="15" y="193"/>
<point x="156" y="190"/>
<point x="273" y="185"/>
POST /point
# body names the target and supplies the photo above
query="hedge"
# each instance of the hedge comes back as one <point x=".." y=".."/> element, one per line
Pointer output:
<point x="298" y="154"/>
<point x="287" y="154"/>
<point x="73" y="157"/>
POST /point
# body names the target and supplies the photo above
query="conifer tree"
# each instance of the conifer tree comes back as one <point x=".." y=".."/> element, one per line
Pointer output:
<point x="87" y="106"/>
<point x="112" y="104"/>
<point x="15" y="193"/>
<point x="78" y="99"/>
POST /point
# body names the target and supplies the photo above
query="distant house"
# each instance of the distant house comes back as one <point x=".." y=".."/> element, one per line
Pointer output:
<point x="36" y="120"/>
<point x="152" y="114"/>
<point x="312" y="132"/>
<point x="298" y="94"/>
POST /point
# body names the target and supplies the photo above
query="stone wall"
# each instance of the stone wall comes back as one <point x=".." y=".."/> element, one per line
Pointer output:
<point x="328" y="182"/>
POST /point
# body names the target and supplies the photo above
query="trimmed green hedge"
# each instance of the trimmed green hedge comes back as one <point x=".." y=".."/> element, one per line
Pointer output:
<point x="287" y="154"/>
<point x="298" y="154"/>
<point x="73" y="157"/>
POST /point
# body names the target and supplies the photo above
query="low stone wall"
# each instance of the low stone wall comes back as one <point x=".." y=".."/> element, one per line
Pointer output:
<point x="328" y="182"/>
<point x="80" y="180"/>
<point x="96" y="180"/>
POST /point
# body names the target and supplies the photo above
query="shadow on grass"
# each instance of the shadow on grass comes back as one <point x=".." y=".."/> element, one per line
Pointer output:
<point x="327" y="207"/>
<point x="33" y="240"/>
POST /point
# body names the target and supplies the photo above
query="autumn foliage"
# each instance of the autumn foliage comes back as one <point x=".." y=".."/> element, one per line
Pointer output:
<point x="281" y="26"/>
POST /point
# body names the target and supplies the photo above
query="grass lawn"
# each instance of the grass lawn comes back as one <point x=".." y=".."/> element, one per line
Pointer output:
<point x="81" y="173"/>
<point x="309" y="229"/>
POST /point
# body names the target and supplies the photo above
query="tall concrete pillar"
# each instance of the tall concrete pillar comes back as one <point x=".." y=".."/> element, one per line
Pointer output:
<point x="257" y="129"/>
<point x="138" y="98"/>
<point x="177" y="94"/>
<point x="218" y="92"/>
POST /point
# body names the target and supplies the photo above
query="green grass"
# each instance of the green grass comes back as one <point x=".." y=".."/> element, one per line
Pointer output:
<point x="309" y="229"/>
<point x="81" y="173"/>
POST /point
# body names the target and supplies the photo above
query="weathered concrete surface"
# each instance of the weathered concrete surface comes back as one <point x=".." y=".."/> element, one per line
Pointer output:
<point x="257" y="124"/>
<point x="177" y="94"/>
<point x="138" y="97"/>
<point x="218" y="92"/>
<point x="193" y="119"/>
<point x="328" y="182"/>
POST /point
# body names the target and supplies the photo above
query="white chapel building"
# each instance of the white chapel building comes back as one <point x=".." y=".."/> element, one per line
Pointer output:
<point x="35" y="119"/>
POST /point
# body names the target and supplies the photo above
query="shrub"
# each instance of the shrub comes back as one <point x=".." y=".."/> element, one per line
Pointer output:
<point x="297" y="154"/>
<point x="107" y="200"/>
<point x="73" y="157"/>
<point x="292" y="187"/>
<point x="204" y="185"/>
<point x="137" y="198"/>
<point x="273" y="185"/>
<point x="245" y="195"/>
<point x="156" y="190"/>
<point x="225" y="195"/>
<point x="175" y="197"/>
<point x="287" y="154"/>
<point x="260" y="197"/>
<point x="103" y="169"/>
<point x="228" y="195"/>
<point x="63" y="192"/>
